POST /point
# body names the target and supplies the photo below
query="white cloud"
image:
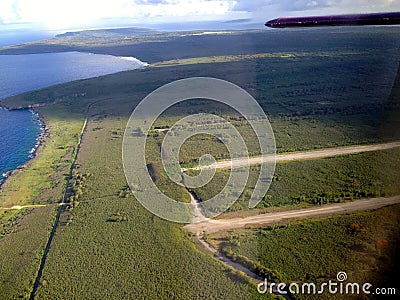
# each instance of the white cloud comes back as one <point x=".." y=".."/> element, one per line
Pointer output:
<point x="61" y="13"/>
<point x="188" y="8"/>
<point x="366" y="5"/>
<point x="7" y="11"/>
<point x="262" y="10"/>
<point x="344" y="6"/>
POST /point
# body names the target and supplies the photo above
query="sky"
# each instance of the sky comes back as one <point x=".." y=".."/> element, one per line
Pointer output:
<point x="80" y="14"/>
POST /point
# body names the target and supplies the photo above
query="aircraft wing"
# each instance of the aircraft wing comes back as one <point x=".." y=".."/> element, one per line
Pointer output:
<point x="392" y="18"/>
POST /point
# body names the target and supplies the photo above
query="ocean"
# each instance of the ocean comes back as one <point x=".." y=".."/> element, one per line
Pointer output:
<point x="19" y="129"/>
<point x="18" y="132"/>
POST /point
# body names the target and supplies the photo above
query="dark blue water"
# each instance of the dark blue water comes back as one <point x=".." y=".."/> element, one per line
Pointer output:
<point x="19" y="129"/>
<point x="18" y="132"/>
<point x="15" y="37"/>
<point x="21" y="73"/>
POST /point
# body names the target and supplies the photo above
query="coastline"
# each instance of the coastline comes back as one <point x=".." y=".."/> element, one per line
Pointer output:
<point x="44" y="130"/>
<point x="39" y="142"/>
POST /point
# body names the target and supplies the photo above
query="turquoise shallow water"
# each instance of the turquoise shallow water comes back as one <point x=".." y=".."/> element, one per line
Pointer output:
<point x="19" y="129"/>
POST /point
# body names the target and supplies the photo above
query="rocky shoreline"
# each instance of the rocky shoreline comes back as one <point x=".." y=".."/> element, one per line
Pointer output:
<point x="40" y="140"/>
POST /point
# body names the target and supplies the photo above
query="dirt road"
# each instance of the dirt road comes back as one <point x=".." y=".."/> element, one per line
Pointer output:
<point x="62" y="206"/>
<point x="303" y="155"/>
<point x="212" y="226"/>
<point x="19" y="207"/>
<point x="197" y="214"/>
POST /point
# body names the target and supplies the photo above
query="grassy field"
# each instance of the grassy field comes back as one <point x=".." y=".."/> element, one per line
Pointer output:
<point x="151" y="46"/>
<point x="21" y="249"/>
<point x="41" y="180"/>
<point x="107" y="244"/>
<point x="113" y="241"/>
<point x="323" y="181"/>
<point x="125" y="234"/>
<point x="364" y="245"/>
